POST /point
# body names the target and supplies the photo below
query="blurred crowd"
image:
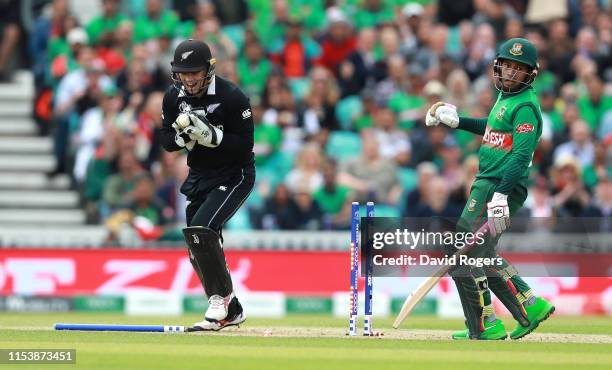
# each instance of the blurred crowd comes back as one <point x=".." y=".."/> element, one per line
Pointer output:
<point x="339" y="90"/>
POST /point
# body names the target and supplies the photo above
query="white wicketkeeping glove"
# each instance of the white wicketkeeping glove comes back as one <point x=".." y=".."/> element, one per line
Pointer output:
<point x="180" y="141"/>
<point x="498" y="214"/>
<point x="442" y="112"/>
<point x="181" y="138"/>
<point x="203" y="132"/>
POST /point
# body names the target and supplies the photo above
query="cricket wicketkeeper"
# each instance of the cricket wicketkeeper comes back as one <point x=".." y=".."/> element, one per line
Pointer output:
<point x="510" y="136"/>
<point x="211" y="118"/>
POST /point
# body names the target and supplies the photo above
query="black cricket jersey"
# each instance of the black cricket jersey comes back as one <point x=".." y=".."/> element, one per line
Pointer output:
<point x="226" y="107"/>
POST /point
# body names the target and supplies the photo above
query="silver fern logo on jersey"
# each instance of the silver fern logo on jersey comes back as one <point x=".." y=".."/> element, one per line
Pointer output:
<point x="211" y="108"/>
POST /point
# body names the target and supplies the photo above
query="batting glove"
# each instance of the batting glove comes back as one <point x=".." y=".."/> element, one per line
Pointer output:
<point x="430" y="116"/>
<point x="443" y="112"/>
<point x="498" y="214"/>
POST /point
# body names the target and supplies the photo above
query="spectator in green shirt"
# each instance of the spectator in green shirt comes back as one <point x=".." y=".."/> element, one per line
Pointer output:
<point x="594" y="104"/>
<point x="155" y="22"/>
<point x="145" y="203"/>
<point x="101" y="28"/>
<point x="334" y="199"/>
<point x="64" y="53"/>
<point x="119" y="188"/>
<point x="59" y="44"/>
<point x="311" y="11"/>
<point x="372" y="13"/>
<point x="368" y="101"/>
<point x="253" y="69"/>
<point x="547" y="104"/>
<point x="267" y="138"/>
<point x="409" y="106"/>
<point x="270" y="19"/>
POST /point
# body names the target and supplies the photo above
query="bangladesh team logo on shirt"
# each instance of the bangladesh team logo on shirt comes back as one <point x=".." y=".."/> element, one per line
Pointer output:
<point x="501" y="112"/>
<point x="472" y="204"/>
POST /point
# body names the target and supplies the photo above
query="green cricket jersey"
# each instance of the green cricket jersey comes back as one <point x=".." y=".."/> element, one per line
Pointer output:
<point x="510" y="136"/>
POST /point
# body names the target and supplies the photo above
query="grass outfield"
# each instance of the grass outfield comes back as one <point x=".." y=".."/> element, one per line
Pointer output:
<point x="289" y="348"/>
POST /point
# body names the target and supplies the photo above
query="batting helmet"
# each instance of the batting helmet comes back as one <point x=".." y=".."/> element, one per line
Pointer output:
<point x="518" y="50"/>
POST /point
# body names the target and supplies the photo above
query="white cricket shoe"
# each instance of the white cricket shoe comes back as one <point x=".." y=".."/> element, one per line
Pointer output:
<point x="217" y="307"/>
<point x="234" y="317"/>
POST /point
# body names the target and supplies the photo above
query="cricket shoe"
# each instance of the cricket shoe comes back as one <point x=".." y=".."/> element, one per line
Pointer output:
<point x="537" y="312"/>
<point x="235" y="316"/>
<point x="218" y="307"/>
<point x="493" y="331"/>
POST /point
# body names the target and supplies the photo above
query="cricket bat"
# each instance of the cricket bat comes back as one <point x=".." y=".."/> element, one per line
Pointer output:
<point x="421" y="291"/>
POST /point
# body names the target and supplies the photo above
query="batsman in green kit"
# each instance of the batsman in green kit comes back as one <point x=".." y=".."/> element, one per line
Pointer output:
<point x="510" y="136"/>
